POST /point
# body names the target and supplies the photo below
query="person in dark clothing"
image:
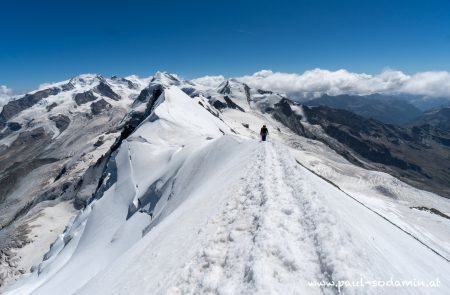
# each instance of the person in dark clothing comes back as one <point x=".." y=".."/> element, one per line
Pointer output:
<point x="264" y="132"/>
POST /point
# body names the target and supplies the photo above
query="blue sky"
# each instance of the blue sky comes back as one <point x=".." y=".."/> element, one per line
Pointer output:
<point x="45" y="41"/>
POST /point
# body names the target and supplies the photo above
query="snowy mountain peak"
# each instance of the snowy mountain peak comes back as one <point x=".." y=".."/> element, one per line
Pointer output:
<point x="227" y="86"/>
<point x="156" y="86"/>
<point x="165" y="79"/>
<point x="132" y="81"/>
<point x="86" y="80"/>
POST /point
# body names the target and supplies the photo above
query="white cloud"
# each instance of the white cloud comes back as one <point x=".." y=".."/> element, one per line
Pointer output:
<point x="45" y="85"/>
<point x="210" y="81"/>
<point x="5" y="95"/>
<point x="316" y="82"/>
<point x="431" y="84"/>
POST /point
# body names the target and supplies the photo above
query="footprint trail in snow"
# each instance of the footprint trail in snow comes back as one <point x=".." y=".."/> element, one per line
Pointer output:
<point x="275" y="235"/>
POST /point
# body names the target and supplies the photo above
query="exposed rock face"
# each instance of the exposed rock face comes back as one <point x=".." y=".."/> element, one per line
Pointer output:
<point x="51" y="107"/>
<point x="85" y="97"/>
<point x="14" y="175"/>
<point x="13" y="237"/>
<point x="416" y="155"/>
<point x="150" y="93"/>
<point x="219" y="105"/>
<point x="432" y="211"/>
<point x="229" y="104"/>
<point x="284" y="114"/>
<point x="67" y="87"/>
<point x="14" y="126"/>
<point x="145" y="94"/>
<point x="261" y="91"/>
<point x="225" y="89"/>
<point x="105" y="90"/>
<point x="190" y="91"/>
<point x="22" y="149"/>
<point x="248" y="94"/>
<point x="61" y="122"/>
<point x="16" y="106"/>
<point x="99" y="106"/>
<point x="211" y="111"/>
<point x="149" y="96"/>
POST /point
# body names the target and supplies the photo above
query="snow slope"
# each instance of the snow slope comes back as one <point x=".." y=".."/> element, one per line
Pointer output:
<point x="274" y="230"/>
<point x="194" y="204"/>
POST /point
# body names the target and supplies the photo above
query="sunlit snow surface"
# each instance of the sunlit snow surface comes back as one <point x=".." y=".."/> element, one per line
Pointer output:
<point x="200" y="205"/>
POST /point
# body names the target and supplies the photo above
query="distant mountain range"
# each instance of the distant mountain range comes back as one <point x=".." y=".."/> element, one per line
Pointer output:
<point x="398" y="110"/>
<point x="439" y="118"/>
<point x="387" y="109"/>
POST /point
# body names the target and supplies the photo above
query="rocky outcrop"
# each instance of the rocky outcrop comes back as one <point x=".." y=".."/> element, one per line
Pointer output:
<point x="226" y="88"/>
<point x="148" y="94"/>
<point x="61" y="122"/>
<point x="284" y="114"/>
<point x="261" y="91"/>
<point x="105" y="90"/>
<point x="67" y="86"/>
<point x="22" y="151"/>
<point x="85" y="97"/>
<point x="51" y="106"/>
<point x="144" y="96"/>
<point x="232" y="105"/>
<point x="14" y="126"/>
<point x="247" y="93"/>
<point x="99" y="106"/>
<point x="228" y="104"/>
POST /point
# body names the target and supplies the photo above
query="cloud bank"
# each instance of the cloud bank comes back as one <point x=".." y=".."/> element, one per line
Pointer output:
<point x="210" y="81"/>
<point x="316" y="82"/>
<point x="5" y="95"/>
